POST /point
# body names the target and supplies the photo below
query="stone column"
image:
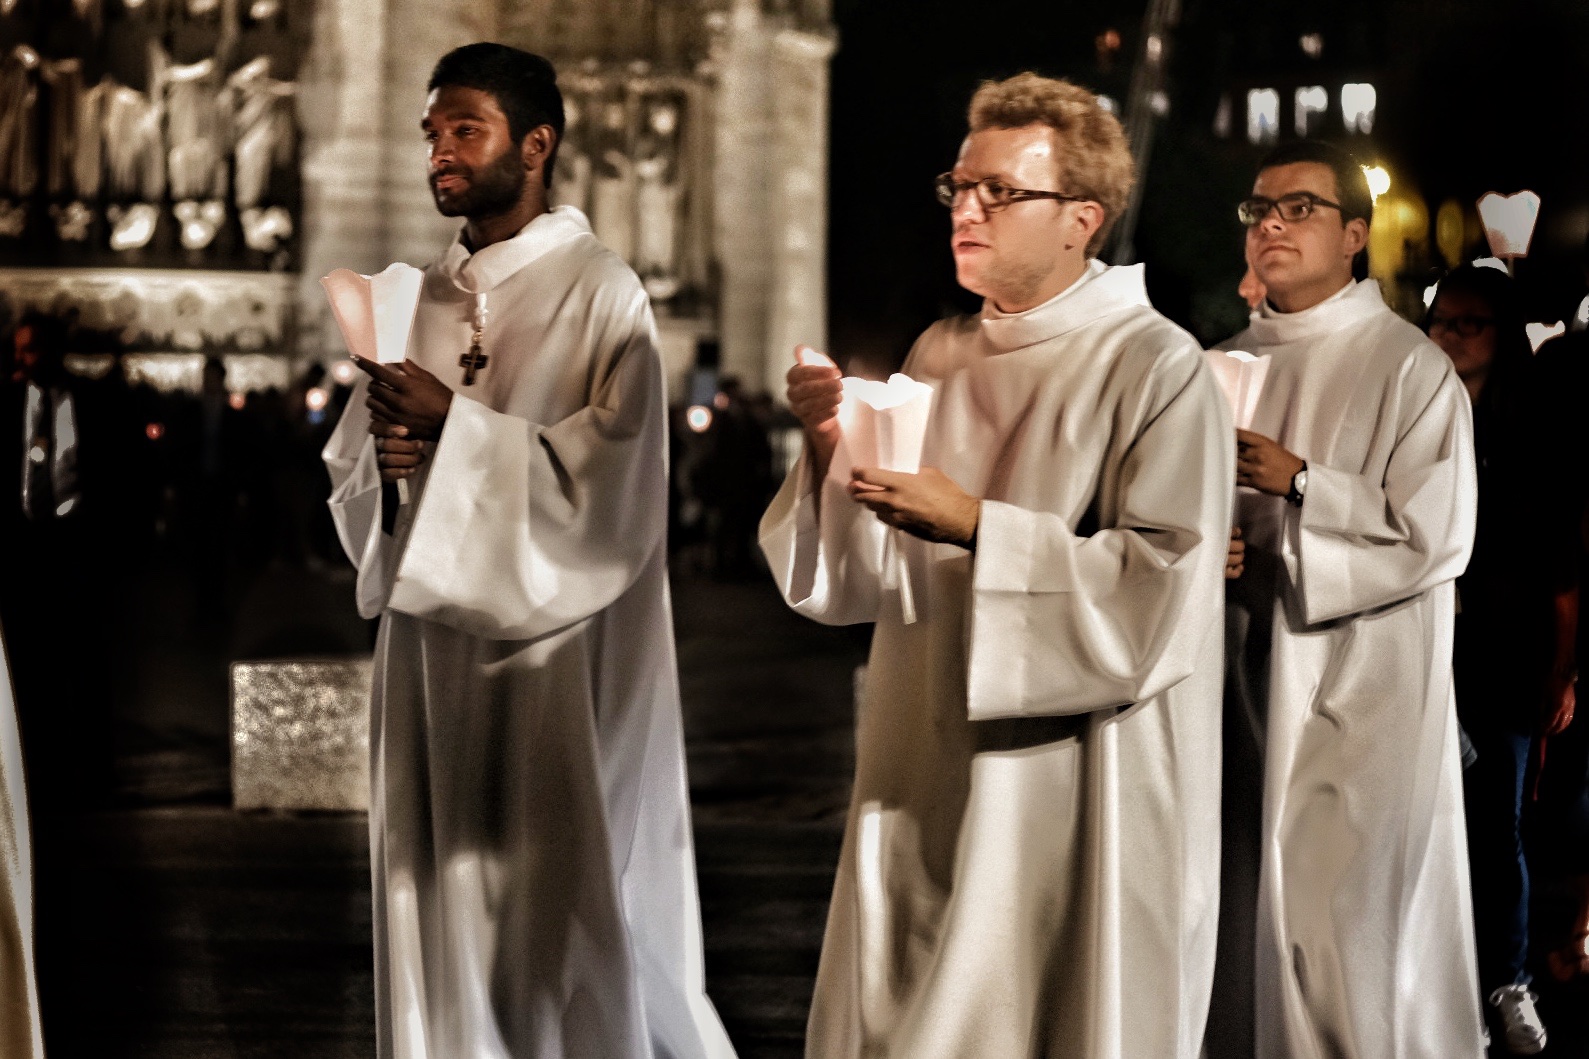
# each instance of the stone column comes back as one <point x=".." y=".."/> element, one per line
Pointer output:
<point x="742" y="224"/>
<point x="340" y="100"/>
<point x="419" y="33"/>
<point x="799" y="180"/>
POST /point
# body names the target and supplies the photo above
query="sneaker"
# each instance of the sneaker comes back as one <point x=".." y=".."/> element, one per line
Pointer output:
<point x="1525" y="1034"/>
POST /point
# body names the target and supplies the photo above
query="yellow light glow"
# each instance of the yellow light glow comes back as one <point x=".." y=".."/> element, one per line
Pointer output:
<point x="698" y="418"/>
<point x="315" y="398"/>
<point x="1378" y="180"/>
<point x="342" y="371"/>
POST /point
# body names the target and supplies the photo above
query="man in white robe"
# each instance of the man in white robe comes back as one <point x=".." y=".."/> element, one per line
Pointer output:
<point x="534" y="886"/>
<point x="1355" y="939"/>
<point x="1030" y="865"/>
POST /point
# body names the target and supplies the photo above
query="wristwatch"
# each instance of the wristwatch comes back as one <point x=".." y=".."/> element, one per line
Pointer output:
<point x="1299" y="486"/>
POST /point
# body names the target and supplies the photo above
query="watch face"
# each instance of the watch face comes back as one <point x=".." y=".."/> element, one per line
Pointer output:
<point x="1300" y="481"/>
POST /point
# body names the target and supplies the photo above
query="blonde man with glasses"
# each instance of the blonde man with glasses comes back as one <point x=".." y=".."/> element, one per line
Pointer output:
<point x="1031" y="861"/>
<point x="1346" y="921"/>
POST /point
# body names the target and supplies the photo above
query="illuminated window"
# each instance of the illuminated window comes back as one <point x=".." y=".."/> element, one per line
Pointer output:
<point x="1222" y="117"/>
<point x="1312" y="103"/>
<point x="1263" y="115"/>
<point x="1312" y="44"/>
<point x="1357" y="107"/>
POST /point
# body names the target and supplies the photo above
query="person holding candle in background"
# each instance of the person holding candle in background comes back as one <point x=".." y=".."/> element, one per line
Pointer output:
<point x="1346" y="922"/>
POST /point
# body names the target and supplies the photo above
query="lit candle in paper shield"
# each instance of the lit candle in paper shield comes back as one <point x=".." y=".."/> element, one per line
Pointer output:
<point x="883" y="424"/>
<point x="376" y="316"/>
<point x="1241" y="377"/>
<point x="1509" y="222"/>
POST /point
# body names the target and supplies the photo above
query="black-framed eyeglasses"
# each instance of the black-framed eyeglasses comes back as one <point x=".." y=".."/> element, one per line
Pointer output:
<point x="1297" y="206"/>
<point x="1463" y="326"/>
<point x="992" y="193"/>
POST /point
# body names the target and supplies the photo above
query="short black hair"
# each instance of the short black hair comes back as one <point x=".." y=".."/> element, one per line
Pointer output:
<point x="1351" y="184"/>
<point x="523" y="84"/>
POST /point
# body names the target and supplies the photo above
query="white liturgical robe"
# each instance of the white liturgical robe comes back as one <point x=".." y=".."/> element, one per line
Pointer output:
<point x="1342" y="699"/>
<point x="531" y="850"/>
<point x="1030" y="867"/>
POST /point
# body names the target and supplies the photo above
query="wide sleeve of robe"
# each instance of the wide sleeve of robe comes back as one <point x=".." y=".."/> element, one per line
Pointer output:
<point x="519" y="528"/>
<point x="355" y="503"/>
<point x="1366" y="540"/>
<point x="1067" y="624"/>
<point x="826" y="558"/>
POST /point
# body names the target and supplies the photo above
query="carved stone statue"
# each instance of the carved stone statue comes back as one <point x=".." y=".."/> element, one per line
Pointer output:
<point x="613" y="189"/>
<point x="658" y="198"/>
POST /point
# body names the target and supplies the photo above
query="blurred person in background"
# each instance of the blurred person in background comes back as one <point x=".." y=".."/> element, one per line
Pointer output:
<point x="1513" y="665"/>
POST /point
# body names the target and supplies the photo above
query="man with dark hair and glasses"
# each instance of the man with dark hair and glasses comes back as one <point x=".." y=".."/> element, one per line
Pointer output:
<point x="1031" y="862"/>
<point x="1345" y="873"/>
<point x="534" y="881"/>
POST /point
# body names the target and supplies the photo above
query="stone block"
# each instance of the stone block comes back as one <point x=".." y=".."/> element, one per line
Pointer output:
<point x="301" y="734"/>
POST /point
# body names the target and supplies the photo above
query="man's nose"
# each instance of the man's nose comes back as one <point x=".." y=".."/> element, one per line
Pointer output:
<point x="967" y="208"/>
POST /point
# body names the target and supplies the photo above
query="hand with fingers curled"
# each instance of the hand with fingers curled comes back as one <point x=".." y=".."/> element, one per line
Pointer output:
<point x="405" y="395"/>
<point x="1263" y="464"/>
<point x="1235" y="555"/>
<point x="928" y="504"/>
<point x="398" y="457"/>
<point x="814" y="393"/>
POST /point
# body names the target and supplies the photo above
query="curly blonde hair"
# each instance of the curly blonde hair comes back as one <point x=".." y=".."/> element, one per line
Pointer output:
<point x="1094" y="159"/>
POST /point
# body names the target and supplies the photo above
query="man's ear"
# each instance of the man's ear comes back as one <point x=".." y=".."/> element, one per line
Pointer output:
<point x="1086" y="219"/>
<point x="1356" y="236"/>
<point x="537" y="147"/>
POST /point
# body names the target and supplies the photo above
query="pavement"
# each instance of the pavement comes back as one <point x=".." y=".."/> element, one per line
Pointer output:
<point x="172" y="927"/>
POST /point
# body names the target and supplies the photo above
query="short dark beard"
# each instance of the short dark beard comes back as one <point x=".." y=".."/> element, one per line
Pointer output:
<point x="494" y="189"/>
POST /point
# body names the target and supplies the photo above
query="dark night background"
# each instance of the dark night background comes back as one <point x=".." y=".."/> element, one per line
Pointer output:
<point x="1473" y="96"/>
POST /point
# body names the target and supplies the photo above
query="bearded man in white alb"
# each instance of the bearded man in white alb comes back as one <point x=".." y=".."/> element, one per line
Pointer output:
<point x="529" y="828"/>
<point x="1347" y="921"/>
<point x="1030" y="866"/>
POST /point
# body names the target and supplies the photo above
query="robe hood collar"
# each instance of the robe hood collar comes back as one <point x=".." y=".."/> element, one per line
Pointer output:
<point x="1351" y="304"/>
<point x="484" y="269"/>
<point x="1100" y="291"/>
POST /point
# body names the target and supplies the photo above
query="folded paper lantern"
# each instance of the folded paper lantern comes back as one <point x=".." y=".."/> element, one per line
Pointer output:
<point x="1509" y="222"/>
<point x="1241" y="377"/>
<point x="1539" y="334"/>
<point x="375" y="313"/>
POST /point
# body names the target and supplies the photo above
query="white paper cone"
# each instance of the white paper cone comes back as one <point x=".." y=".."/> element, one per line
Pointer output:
<point x="1241" y="378"/>
<point x="375" y="313"/>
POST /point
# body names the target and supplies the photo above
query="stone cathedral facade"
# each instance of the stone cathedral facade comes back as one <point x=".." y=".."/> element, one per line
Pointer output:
<point x="279" y="140"/>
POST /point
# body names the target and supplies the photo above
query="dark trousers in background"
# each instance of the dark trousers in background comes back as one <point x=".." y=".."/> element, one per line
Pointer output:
<point x="1493" y="793"/>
